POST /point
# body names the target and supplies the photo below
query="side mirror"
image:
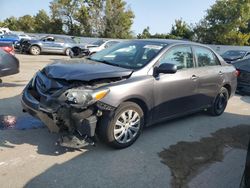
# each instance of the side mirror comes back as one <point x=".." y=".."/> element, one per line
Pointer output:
<point x="166" y="68"/>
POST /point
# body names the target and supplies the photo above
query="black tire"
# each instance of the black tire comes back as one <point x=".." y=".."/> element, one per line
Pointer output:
<point x="107" y="125"/>
<point x="35" y="50"/>
<point x="220" y="103"/>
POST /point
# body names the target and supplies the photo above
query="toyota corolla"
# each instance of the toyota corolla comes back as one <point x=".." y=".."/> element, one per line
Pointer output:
<point x="133" y="84"/>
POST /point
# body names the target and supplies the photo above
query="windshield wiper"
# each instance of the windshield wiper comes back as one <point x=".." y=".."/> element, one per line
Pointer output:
<point x="105" y="62"/>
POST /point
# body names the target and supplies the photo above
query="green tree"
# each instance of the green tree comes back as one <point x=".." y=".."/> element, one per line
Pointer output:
<point x="118" y="19"/>
<point x="90" y="17"/>
<point x="26" y="23"/>
<point x="42" y="22"/>
<point x="225" y="23"/>
<point x="11" y="23"/>
<point x="66" y="11"/>
<point x="181" y="30"/>
<point x="145" y="34"/>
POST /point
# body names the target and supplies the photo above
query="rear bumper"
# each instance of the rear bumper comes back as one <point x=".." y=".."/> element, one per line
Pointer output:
<point x="9" y="71"/>
<point x="61" y="118"/>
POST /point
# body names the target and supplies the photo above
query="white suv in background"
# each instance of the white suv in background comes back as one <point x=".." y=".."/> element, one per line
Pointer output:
<point x="100" y="45"/>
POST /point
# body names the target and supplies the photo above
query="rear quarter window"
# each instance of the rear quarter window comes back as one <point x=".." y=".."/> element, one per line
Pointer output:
<point x="205" y="57"/>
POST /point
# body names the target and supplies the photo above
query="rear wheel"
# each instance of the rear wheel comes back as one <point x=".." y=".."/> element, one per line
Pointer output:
<point x="123" y="127"/>
<point x="68" y="51"/>
<point x="35" y="50"/>
<point x="220" y="103"/>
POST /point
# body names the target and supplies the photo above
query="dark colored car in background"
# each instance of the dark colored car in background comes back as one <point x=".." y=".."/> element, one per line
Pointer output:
<point x="48" y="44"/>
<point x="9" y="64"/>
<point x="243" y="68"/>
<point x="235" y="55"/>
<point x="7" y="47"/>
<point x="120" y="90"/>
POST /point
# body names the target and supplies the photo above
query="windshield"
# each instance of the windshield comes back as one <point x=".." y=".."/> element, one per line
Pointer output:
<point x="234" y="53"/>
<point x="130" y="54"/>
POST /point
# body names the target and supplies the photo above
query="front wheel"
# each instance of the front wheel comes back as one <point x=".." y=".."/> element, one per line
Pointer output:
<point x="35" y="50"/>
<point x="123" y="127"/>
<point x="220" y="103"/>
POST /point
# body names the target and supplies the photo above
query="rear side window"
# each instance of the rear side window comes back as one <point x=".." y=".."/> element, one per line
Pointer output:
<point x="181" y="56"/>
<point x="59" y="40"/>
<point x="205" y="57"/>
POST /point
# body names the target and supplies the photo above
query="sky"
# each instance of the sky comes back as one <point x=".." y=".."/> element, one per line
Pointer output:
<point x="159" y="15"/>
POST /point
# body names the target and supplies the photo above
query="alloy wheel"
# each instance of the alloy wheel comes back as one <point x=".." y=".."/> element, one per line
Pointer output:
<point x="127" y="126"/>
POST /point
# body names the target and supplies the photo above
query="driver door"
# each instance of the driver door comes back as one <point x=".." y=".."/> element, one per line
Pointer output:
<point x="176" y="93"/>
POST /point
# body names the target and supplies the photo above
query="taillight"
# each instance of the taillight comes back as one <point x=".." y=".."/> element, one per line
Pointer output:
<point x="237" y="73"/>
<point x="8" y="49"/>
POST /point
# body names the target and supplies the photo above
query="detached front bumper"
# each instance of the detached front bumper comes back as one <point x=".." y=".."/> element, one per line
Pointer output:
<point x="60" y="118"/>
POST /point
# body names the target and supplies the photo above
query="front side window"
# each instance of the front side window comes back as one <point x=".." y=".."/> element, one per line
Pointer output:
<point x="205" y="57"/>
<point x="181" y="56"/>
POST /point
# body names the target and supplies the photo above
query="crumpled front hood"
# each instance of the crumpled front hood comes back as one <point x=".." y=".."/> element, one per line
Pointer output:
<point x="84" y="70"/>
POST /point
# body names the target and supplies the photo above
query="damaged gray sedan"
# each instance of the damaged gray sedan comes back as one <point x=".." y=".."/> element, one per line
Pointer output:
<point x="120" y="90"/>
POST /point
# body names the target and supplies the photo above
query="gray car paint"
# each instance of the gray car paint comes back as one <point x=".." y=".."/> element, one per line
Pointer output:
<point x="144" y="87"/>
<point x="52" y="46"/>
<point x="169" y="95"/>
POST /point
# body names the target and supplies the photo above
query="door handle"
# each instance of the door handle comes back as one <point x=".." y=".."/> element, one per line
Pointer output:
<point x="194" y="77"/>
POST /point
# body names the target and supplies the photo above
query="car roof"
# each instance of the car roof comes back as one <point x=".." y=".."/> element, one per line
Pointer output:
<point x="169" y="41"/>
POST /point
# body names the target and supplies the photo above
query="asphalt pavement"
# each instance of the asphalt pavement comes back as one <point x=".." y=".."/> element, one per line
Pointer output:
<point x="30" y="158"/>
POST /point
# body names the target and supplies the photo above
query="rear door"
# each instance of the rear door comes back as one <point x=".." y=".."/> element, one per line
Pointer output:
<point x="47" y="44"/>
<point x="210" y="74"/>
<point x="176" y="93"/>
<point x="58" y="45"/>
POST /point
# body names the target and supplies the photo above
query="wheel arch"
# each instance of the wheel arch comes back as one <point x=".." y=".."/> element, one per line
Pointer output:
<point x="229" y="89"/>
<point x="142" y="105"/>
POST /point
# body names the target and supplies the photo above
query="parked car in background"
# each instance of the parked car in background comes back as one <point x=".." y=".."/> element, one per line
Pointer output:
<point x="4" y="30"/>
<point x="7" y="47"/>
<point x="92" y="48"/>
<point x="243" y="68"/>
<point x="9" y="64"/>
<point x="48" y="44"/>
<point x="235" y="55"/>
<point x="8" y="37"/>
<point x="120" y="90"/>
<point x="24" y="36"/>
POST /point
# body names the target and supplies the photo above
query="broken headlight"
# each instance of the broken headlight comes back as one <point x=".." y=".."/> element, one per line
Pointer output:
<point x="85" y="97"/>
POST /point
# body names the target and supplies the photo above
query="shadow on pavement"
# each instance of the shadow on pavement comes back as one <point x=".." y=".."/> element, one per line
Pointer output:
<point x="138" y="165"/>
<point x="245" y="99"/>
<point x="18" y="128"/>
<point x="4" y="84"/>
<point x="11" y="106"/>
